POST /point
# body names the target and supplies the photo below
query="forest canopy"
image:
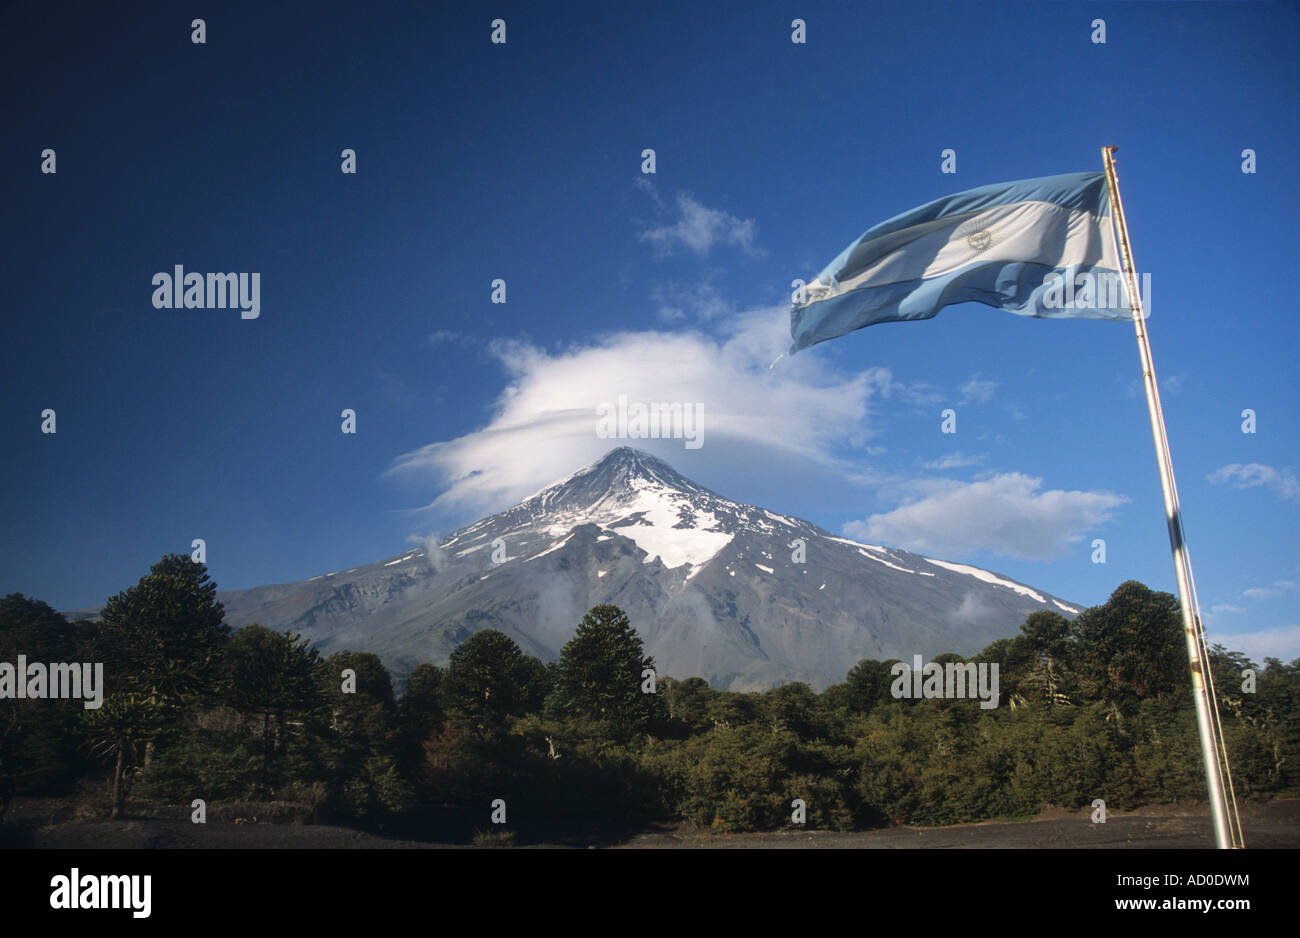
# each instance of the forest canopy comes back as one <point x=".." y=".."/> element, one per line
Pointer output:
<point x="596" y="743"/>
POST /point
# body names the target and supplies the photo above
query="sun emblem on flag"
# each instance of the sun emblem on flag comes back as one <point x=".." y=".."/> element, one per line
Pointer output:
<point x="975" y="232"/>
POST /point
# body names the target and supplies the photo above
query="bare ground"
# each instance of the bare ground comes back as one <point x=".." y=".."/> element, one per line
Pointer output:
<point x="59" y="823"/>
<point x="1274" y="824"/>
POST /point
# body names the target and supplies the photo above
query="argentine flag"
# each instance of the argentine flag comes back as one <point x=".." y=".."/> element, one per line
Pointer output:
<point x="1036" y="247"/>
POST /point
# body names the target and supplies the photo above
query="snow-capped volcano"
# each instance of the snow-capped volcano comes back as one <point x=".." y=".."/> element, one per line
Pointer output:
<point x="739" y="595"/>
<point x="633" y="494"/>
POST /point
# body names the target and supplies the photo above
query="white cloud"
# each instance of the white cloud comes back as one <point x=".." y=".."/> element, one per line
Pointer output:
<point x="973" y="611"/>
<point x="1006" y="514"/>
<point x="1281" y="642"/>
<point x="544" y="422"/>
<point x="954" y="461"/>
<point x="703" y="301"/>
<point x="1225" y="607"/>
<point x="979" y="390"/>
<point x="1254" y="474"/>
<point x="642" y="182"/>
<point x="699" y="228"/>
<point x="920" y="396"/>
<point x="432" y="552"/>
<point x="1270" y="592"/>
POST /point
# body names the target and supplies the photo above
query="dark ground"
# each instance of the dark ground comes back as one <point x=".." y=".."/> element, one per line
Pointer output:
<point x="59" y="823"/>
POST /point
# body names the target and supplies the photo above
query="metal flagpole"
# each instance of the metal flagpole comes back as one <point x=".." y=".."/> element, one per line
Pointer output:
<point x="1227" y="826"/>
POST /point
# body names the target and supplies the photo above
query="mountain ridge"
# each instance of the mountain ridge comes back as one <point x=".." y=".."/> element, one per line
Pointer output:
<point x="737" y="594"/>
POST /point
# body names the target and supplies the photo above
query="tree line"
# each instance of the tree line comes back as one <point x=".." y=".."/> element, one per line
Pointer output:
<point x="595" y="744"/>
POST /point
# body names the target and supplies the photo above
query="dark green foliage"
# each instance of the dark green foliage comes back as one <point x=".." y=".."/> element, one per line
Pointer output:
<point x="867" y="685"/>
<point x="420" y="702"/>
<point x="1035" y="665"/>
<point x="1095" y="708"/>
<point x="1131" y="649"/>
<point x="728" y="708"/>
<point x="601" y="673"/>
<point x="746" y="777"/>
<point x="488" y="681"/>
<point x="164" y="636"/>
<point x="219" y="755"/>
<point x="361" y="750"/>
<point x="119" y="729"/>
<point x="272" y="678"/>
<point x="1261" y="721"/>
<point x="373" y="683"/>
<point x="688" y="705"/>
<point x="797" y="708"/>
<point x="38" y="738"/>
<point x="162" y="643"/>
<point x="419" y="714"/>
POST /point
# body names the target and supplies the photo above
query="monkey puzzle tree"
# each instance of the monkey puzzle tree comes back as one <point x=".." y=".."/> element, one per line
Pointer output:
<point x="272" y="676"/>
<point x="420" y="711"/>
<point x="122" y="722"/>
<point x="1044" y="641"/>
<point x="163" y="638"/>
<point x="488" y="680"/>
<point x="867" y="684"/>
<point x="602" y="672"/>
<point x="1131" y="649"/>
<point x="360" y="747"/>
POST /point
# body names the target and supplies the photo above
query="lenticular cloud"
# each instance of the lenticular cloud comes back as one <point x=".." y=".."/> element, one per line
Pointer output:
<point x="545" y="420"/>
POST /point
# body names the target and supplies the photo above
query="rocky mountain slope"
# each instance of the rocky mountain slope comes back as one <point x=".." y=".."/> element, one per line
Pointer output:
<point x="744" y="597"/>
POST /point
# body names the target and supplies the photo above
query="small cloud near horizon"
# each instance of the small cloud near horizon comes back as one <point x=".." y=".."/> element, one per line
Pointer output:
<point x="1282" y="483"/>
<point x="1006" y="514"/>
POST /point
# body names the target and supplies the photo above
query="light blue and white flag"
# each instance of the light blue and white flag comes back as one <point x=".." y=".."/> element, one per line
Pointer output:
<point x="1035" y="247"/>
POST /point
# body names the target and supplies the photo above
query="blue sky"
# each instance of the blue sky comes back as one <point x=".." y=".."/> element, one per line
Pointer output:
<point x="523" y="162"/>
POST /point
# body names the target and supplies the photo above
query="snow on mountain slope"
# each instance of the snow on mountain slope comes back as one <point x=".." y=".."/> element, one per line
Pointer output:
<point x="713" y="586"/>
<point x="661" y="521"/>
<point x="988" y="578"/>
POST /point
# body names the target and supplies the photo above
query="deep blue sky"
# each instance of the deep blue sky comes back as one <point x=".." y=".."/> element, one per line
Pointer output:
<point x="523" y="161"/>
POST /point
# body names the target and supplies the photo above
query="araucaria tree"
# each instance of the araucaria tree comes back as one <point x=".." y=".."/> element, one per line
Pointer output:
<point x="162" y="641"/>
<point x="489" y="680"/>
<point x="163" y="637"/>
<point x="602" y="672"/>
